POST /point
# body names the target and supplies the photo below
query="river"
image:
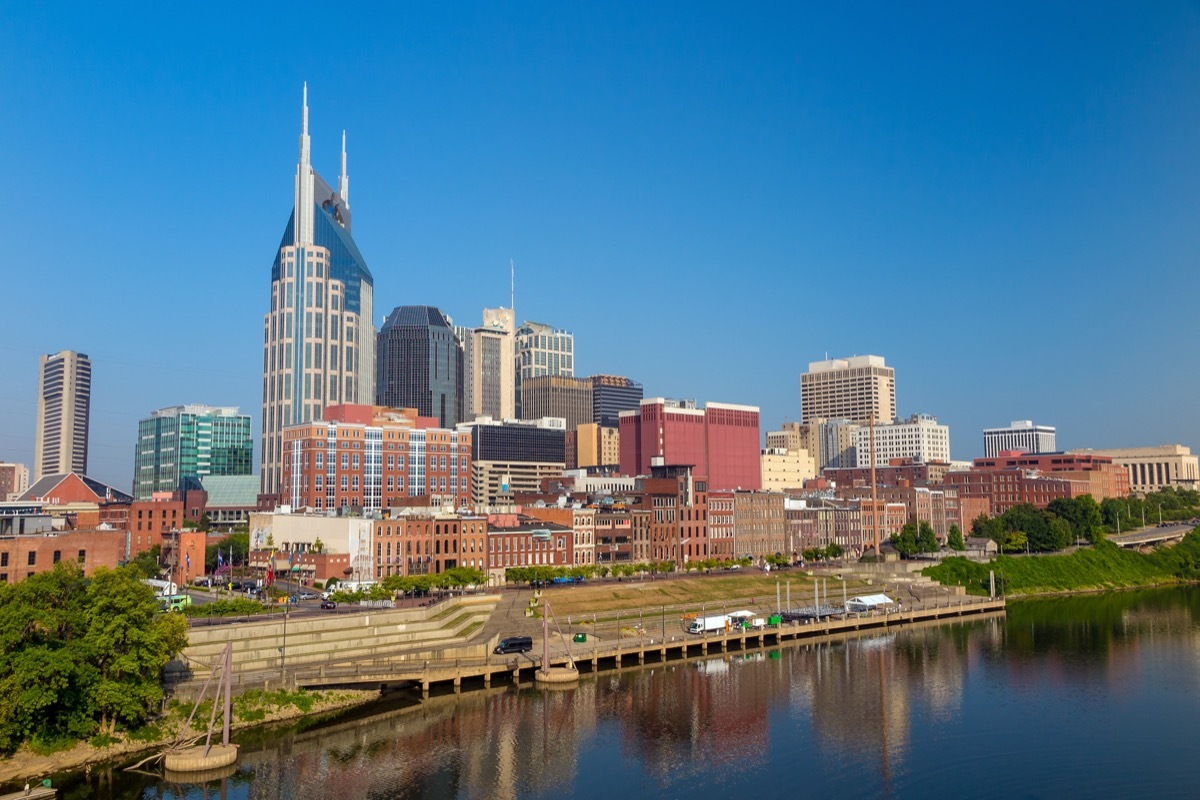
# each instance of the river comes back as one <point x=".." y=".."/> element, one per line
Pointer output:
<point x="1094" y="696"/>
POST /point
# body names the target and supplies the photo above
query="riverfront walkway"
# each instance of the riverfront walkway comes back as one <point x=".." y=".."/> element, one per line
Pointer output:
<point x="595" y="652"/>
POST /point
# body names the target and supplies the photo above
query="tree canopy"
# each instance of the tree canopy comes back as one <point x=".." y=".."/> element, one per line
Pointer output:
<point x="81" y="656"/>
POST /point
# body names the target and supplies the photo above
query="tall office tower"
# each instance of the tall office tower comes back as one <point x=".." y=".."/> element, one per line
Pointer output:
<point x="612" y="394"/>
<point x="318" y="338"/>
<point x="1022" y="434"/>
<point x="421" y="364"/>
<point x="557" y="396"/>
<point x="849" y="388"/>
<point x="488" y="366"/>
<point x="542" y="350"/>
<point x="190" y="441"/>
<point x="63" y="411"/>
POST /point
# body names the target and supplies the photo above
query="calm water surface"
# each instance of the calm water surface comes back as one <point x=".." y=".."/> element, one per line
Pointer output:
<point x="1073" y="697"/>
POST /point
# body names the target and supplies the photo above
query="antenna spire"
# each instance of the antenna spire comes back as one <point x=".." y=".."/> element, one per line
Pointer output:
<point x="303" y="213"/>
<point x="512" y="287"/>
<point x="344" y="177"/>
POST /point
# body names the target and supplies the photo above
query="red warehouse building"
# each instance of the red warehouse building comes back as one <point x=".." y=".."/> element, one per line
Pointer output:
<point x="721" y="441"/>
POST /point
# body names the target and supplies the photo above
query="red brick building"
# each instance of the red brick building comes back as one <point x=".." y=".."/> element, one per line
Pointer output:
<point x="371" y="457"/>
<point x="897" y="471"/>
<point x="515" y="540"/>
<point x="24" y="556"/>
<point x="678" y="505"/>
<point x="1012" y="478"/>
<point x="428" y="544"/>
<point x="614" y="537"/>
<point x="1104" y="478"/>
<point x="721" y="441"/>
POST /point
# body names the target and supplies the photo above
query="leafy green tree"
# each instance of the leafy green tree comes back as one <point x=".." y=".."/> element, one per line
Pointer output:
<point x="833" y="550"/>
<point x="954" y="539"/>
<point x="1015" y="542"/>
<point x="905" y="542"/>
<point x="926" y="539"/>
<point x="146" y="562"/>
<point x="318" y="546"/>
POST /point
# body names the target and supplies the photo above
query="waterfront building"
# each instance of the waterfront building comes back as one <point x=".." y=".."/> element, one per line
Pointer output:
<point x="63" y="414"/>
<point x="721" y="441"/>
<point x="14" y="480"/>
<point x="366" y="458"/>
<point x="190" y="441"/>
<point x="849" y="388"/>
<point x="425" y="544"/>
<point x="489" y="364"/>
<point x="1021" y="435"/>
<point x="612" y="394"/>
<point x="517" y="540"/>
<point x="919" y="438"/>
<point x="580" y="521"/>
<point x="677" y="499"/>
<point x="1104" y="479"/>
<point x="317" y="546"/>
<point x="225" y="500"/>
<point x="758" y="525"/>
<point x="1153" y="468"/>
<point x="557" y="396"/>
<point x="894" y="473"/>
<point x="318" y="336"/>
<point x="420" y="364"/>
<point x="614" y="537"/>
<point x="541" y="350"/>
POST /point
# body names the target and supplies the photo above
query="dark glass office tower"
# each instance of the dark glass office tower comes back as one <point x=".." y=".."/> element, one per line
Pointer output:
<point x="420" y="364"/>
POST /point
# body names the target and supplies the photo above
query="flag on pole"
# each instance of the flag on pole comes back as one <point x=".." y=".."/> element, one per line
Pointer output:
<point x="220" y="559"/>
<point x="188" y="557"/>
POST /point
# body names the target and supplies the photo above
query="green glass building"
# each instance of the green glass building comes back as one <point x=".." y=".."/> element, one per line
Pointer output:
<point x="190" y="441"/>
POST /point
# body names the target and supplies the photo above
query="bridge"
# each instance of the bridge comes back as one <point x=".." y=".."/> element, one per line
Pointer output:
<point x="1152" y="536"/>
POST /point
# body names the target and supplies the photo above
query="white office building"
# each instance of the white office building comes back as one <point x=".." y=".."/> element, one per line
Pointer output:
<point x="920" y="438"/>
<point x="1021" y="435"/>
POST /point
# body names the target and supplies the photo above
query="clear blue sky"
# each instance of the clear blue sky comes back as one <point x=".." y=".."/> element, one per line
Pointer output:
<point x="1002" y="199"/>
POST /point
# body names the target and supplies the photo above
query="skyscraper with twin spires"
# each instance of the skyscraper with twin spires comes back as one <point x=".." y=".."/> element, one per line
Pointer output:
<point x="318" y="337"/>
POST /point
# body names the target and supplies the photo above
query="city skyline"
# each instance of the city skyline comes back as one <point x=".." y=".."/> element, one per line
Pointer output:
<point x="818" y="186"/>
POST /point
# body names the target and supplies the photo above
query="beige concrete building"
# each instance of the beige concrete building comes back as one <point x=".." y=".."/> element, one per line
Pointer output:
<point x="557" y="396"/>
<point x="1154" y="468"/>
<point x="493" y="483"/>
<point x="489" y="366"/>
<point x="850" y="388"/>
<point x="297" y="534"/>
<point x="63" y="413"/>
<point x="783" y="469"/>
<point x="597" y="446"/>
<point x="759" y="529"/>
<point x="919" y="438"/>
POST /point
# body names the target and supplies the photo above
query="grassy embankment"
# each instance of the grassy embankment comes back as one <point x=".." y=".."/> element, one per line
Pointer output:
<point x="250" y="709"/>
<point x="1104" y="566"/>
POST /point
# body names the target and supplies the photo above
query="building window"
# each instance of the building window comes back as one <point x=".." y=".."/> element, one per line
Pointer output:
<point x="3" y="559"/>
<point x="31" y="559"/>
<point x="82" y="556"/>
<point x="57" y="556"/>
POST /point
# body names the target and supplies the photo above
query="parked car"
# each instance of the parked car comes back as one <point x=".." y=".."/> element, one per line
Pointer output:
<point x="328" y="604"/>
<point x="514" y="644"/>
<point x="307" y="595"/>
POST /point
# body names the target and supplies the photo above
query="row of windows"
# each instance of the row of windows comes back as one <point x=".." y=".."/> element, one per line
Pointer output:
<point x="31" y="558"/>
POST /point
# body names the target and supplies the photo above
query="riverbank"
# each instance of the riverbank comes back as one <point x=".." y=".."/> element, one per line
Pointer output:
<point x="26" y="764"/>
<point x="1104" y="567"/>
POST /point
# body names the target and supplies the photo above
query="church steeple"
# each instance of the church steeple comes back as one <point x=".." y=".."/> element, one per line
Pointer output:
<point x="304" y="183"/>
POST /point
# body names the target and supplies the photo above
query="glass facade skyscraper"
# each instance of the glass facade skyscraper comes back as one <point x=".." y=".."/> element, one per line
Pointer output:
<point x="318" y="337"/>
<point x="190" y="441"/>
<point x="542" y="350"/>
<point x="421" y="364"/>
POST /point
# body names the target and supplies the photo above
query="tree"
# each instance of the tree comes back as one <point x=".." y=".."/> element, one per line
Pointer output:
<point x="905" y="542"/>
<point x="926" y="539"/>
<point x="80" y="655"/>
<point x="954" y="539"/>
<point x="318" y="546"/>
<point x="146" y="562"/>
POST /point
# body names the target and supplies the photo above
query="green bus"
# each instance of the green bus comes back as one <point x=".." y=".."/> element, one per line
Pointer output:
<point x="175" y="602"/>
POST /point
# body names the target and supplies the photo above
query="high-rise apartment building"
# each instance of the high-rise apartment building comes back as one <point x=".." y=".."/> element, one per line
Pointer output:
<point x="489" y="364"/>
<point x="849" y="388"/>
<point x="720" y="441"/>
<point x="1021" y="435"/>
<point x="63" y="413"/>
<point x="420" y="364"/>
<point x="919" y="438"/>
<point x="14" y="480"/>
<point x="612" y="394"/>
<point x="318" y="337"/>
<point x="557" y="396"/>
<point x="190" y="441"/>
<point x="542" y="350"/>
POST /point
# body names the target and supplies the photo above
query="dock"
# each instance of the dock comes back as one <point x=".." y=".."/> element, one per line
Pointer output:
<point x="38" y="792"/>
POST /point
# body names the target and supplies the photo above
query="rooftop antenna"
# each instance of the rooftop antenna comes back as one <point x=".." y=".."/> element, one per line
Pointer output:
<point x="344" y="177"/>
<point x="512" y="287"/>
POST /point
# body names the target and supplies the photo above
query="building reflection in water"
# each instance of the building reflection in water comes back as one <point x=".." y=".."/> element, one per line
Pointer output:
<point x="855" y="701"/>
